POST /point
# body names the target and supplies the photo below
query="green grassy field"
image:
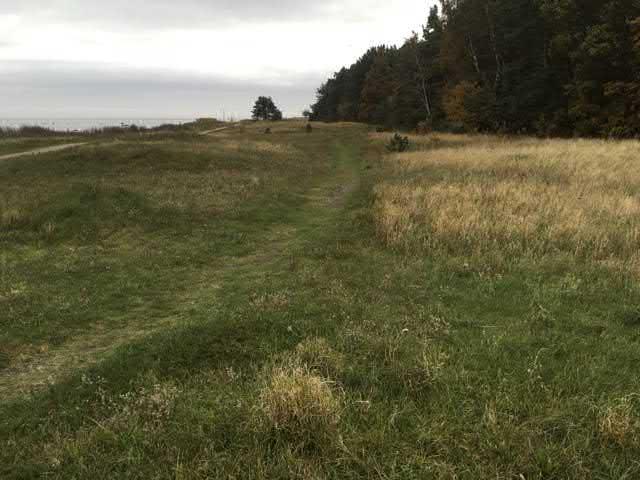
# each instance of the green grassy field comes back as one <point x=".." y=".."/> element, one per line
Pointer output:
<point x="294" y="305"/>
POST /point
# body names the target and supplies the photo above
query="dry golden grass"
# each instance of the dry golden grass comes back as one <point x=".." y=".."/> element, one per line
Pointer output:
<point x="618" y="424"/>
<point x="300" y="405"/>
<point x="260" y="147"/>
<point x="474" y="195"/>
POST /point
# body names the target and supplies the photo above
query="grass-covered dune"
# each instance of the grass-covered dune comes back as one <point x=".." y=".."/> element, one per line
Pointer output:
<point x="305" y="305"/>
<point x="33" y="138"/>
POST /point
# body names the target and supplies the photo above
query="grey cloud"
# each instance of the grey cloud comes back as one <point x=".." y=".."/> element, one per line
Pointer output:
<point x="180" y="14"/>
<point x="35" y="89"/>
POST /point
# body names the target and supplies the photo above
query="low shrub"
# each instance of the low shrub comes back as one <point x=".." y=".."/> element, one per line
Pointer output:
<point x="398" y="144"/>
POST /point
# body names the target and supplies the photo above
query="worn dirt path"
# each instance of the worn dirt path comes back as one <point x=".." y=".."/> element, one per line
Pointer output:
<point x="66" y="146"/>
<point x="207" y="132"/>
<point x="39" y="151"/>
<point x="216" y="130"/>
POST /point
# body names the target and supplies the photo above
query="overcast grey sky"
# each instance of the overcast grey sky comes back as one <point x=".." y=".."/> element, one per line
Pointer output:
<point x="187" y="58"/>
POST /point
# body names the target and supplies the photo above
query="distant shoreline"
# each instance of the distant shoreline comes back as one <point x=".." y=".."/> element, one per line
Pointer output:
<point x="86" y="124"/>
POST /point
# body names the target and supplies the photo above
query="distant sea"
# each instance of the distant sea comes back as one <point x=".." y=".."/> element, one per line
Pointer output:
<point x="79" y="124"/>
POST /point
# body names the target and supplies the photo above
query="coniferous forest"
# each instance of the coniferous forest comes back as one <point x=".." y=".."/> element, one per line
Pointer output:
<point x="544" y="67"/>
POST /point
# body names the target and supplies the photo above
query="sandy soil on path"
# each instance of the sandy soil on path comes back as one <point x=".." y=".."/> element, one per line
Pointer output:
<point x="38" y="151"/>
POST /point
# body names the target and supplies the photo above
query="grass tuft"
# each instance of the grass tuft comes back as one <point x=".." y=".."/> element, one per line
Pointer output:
<point x="300" y="408"/>
<point x="10" y="217"/>
<point x="317" y="355"/>
<point x="618" y="423"/>
<point x="425" y="370"/>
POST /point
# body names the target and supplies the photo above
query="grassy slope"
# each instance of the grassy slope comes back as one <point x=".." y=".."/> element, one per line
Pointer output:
<point x="210" y="260"/>
<point x="10" y="145"/>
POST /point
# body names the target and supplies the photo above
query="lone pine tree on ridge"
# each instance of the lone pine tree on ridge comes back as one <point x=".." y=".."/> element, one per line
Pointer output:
<point x="266" y="109"/>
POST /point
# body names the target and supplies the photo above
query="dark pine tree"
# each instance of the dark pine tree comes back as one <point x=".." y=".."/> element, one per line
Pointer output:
<point x="549" y="67"/>
<point x="265" y="109"/>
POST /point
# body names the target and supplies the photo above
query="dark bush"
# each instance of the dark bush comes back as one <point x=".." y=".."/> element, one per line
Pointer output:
<point x="398" y="144"/>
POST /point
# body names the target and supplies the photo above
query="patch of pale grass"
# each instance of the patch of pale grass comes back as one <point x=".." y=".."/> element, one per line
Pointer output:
<point x="425" y="370"/>
<point x="515" y="198"/>
<point x="490" y="416"/>
<point x="146" y="408"/>
<point x="301" y="407"/>
<point x="10" y="217"/>
<point x="142" y="411"/>
<point x="273" y="148"/>
<point x="317" y="355"/>
<point x="263" y="147"/>
<point x="618" y="424"/>
<point x="270" y="301"/>
<point x="49" y="229"/>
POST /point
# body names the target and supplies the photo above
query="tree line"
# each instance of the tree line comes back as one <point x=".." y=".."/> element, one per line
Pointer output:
<point x="546" y="67"/>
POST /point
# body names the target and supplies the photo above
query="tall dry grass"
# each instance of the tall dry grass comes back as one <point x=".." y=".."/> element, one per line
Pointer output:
<point x="480" y="195"/>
